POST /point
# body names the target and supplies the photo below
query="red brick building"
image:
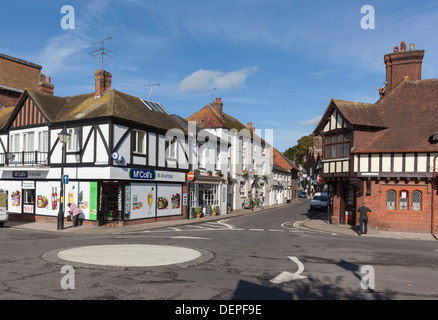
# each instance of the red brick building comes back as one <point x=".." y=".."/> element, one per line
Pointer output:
<point x="383" y="154"/>
<point x="15" y="76"/>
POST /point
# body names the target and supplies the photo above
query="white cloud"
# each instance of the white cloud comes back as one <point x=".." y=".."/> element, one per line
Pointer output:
<point x="203" y="80"/>
<point x="311" y="122"/>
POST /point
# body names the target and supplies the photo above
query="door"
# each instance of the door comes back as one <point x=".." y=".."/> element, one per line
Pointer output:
<point x="350" y="205"/>
<point x="29" y="201"/>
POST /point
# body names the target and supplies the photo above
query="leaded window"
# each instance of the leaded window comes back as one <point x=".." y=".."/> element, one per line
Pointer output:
<point x="403" y="200"/>
<point x="390" y="200"/>
<point x="416" y="200"/>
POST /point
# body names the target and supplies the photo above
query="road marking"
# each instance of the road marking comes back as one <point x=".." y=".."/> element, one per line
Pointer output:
<point x="275" y="230"/>
<point x="188" y="237"/>
<point x="223" y="222"/>
<point x="256" y="229"/>
<point x="168" y="237"/>
<point x="175" y="229"/>
<point x="288" y="276"/>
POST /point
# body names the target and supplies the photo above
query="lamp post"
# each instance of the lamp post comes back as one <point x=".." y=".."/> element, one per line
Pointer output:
<point x="63" y="136"/>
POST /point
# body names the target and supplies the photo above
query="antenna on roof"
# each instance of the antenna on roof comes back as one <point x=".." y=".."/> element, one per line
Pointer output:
<point x="101" y="51"/>
<point x="151" y="85"/>
<point x="212" y="91"/>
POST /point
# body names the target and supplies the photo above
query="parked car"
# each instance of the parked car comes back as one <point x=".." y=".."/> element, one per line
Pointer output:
<point x="4" y="217"/>
<point x="319" y="201"/>
<point x="302" y="194"/>
<point x="246" y="204"/>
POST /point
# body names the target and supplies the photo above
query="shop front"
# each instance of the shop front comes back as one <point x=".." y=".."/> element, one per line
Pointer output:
<point x="209" y="194"/>
<point x="132" y="196"/>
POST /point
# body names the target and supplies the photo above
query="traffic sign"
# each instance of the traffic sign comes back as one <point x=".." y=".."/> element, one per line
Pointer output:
<point x="65" y="179"/>
<point x="191" y="176"/>
<point x="320" y="180"/>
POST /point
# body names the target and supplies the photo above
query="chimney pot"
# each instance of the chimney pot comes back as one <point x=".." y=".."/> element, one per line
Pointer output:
<point x="401" y="64"/>
<point x="403" y="46"/>
<point x="412" y="46"/>
<point x="46" y="87"/>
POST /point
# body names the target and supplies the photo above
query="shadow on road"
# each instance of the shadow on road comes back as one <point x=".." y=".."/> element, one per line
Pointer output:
<point x="309" y="289"/>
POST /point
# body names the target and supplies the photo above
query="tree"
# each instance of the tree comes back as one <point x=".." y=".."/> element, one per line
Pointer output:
<point x="299" y="151"/>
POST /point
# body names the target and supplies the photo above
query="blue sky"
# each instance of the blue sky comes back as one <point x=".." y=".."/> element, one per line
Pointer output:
<point x="276" y="64"/>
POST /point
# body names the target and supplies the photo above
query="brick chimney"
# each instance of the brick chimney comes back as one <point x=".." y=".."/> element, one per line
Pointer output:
<point x="250" y="127"/>
<point x="45" y="85"/>
<point x="218" y="106"/>
<point x="400" y="64"/>
<point x="102" y="82"/>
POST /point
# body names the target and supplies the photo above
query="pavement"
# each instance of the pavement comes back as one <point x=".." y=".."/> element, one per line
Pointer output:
<point x="316" y="223"/>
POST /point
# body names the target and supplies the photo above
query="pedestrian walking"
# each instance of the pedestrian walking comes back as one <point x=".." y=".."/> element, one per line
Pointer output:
<point x="75" y="212"/>
<point x="262" y="199"/>
<point x="363" y="218"/>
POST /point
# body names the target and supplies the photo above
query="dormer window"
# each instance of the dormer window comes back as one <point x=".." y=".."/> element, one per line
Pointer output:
<point x="337" y="146"/>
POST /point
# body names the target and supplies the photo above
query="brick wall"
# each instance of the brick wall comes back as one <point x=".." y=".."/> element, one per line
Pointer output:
<point x="8" y="98"/>
<point x="400" y="64"/>
<point x="18" y="75"/>
<point x="399" y="220"/>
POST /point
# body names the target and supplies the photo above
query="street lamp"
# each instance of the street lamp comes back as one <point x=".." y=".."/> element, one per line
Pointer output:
<point x="63" y="136"/>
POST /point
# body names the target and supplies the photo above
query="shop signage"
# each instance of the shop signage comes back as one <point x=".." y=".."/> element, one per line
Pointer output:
<point x="28" y="184"/>
<point x="142" y="174"/>
<point x="148" y="174"/>
<point x="19" y="174"/>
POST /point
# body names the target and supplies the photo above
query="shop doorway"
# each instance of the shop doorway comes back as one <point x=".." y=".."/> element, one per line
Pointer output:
<point x="350" y="205"/>
<point x="110" y="201"/>
<point x="29" y="201"/>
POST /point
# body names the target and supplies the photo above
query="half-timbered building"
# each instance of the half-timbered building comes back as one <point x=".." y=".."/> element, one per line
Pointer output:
<point x="384" y="153"/>
<point x="119" y="164"/>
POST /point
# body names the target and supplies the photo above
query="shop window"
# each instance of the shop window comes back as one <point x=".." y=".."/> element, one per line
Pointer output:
<point x="403" y="200"/>
<point x="416" y="200"/>
<point x="390" y="200"/>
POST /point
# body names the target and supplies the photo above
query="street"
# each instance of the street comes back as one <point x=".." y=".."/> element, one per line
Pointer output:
<point x="241" y="257"/>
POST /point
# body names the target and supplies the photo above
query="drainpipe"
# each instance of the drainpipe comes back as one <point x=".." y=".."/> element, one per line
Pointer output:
<point x="433" y="193"/>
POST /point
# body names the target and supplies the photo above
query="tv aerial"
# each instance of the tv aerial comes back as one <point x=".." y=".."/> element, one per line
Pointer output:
<point x="101" y="51"/>
<point x="212" y="93"/>
<point x="152" y="86"/>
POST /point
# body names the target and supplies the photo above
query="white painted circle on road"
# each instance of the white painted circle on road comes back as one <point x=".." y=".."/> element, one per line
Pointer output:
<point x="129" y="255"/>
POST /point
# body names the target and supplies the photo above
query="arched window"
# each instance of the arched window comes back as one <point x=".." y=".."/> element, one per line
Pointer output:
<point x="390" y="200"/>
<point x="403" y="200"/>
<point x="416" y="200"/>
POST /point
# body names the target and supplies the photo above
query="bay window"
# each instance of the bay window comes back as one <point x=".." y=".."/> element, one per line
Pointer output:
<point x="337" y="146"/>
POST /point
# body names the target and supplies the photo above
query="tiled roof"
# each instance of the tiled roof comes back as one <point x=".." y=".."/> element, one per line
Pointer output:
<point x="409" y="111"/>
<point x="208" y="118"/>
<point x="358" y="113"/>
<point x="111" y="104"/>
